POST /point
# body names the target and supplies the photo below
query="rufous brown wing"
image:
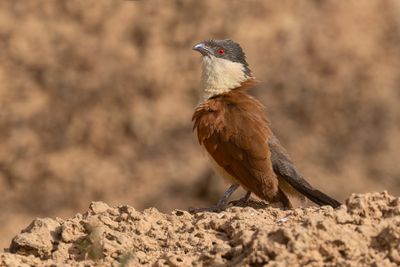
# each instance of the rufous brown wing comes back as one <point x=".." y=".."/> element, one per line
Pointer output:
<point x="233" y="129"/>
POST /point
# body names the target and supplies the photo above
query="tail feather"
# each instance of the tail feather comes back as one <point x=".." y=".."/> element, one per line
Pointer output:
<point x="285" y="169"/>
<point x="315" y="195"/>
<point x="300" y="189"/>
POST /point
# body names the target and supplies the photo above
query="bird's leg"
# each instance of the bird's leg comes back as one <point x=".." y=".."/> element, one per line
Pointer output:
<point x="227" y="194"/>
<point x="242" y="201"/>
<point x="221" y="202"/>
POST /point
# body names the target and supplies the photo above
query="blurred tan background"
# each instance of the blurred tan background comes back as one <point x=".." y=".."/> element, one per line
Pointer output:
<point x="96" y="98"/>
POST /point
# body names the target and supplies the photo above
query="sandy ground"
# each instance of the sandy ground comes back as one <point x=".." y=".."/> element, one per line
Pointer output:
<point x="96" y="99"/>
<point x="365" y="231"/>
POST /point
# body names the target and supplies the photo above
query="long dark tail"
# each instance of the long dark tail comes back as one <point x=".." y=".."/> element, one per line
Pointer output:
<point x="315" y="195"/>
<point x="287" y="172"/>
<point x="302" y="190"/>
<point x="285" y="169"/>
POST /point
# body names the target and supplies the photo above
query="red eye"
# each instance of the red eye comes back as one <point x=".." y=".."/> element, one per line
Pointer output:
<point x="221" y="51"/>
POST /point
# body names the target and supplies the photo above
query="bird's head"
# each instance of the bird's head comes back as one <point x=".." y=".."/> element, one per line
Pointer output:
<point x="224" y="66"/>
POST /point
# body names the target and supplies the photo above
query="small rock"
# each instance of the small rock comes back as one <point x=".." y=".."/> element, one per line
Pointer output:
<point x="37" y="239"/>
<point x="71" y="231"/>
<point x="109" y="222"/>
<point x="99" y="207"/>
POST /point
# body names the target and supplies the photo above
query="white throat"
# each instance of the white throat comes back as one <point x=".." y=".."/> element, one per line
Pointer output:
<point x="221" y="75"/>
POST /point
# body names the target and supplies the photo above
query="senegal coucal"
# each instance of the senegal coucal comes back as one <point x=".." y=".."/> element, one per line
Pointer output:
<point x="233" y="129"/>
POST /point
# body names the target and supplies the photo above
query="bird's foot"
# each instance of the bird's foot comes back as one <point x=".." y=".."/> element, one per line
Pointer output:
<point x="220" y="206"/>
<point x="241" y="202"/>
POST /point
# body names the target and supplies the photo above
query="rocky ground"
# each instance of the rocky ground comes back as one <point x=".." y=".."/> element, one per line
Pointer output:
<point x="365" y="231"/>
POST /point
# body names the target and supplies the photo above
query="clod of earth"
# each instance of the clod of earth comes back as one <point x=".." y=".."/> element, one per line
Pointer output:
<point x="364" y="231"/>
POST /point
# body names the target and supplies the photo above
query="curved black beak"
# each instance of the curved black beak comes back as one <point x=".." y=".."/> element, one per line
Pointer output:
<point x="203" y="49"/>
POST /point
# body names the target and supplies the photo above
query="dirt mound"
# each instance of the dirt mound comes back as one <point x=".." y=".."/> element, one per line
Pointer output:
<point x="364" y="231"/>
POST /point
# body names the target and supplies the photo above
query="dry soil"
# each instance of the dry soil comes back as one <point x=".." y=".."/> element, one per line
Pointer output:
<point x="365" y="231"/>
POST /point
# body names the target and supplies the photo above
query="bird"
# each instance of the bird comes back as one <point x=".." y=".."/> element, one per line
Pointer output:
<point x="232" y="127"/>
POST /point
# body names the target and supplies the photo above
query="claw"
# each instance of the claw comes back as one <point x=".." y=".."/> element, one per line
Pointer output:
<point x="221" y="203"/>
<point x="242" y="201"/>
